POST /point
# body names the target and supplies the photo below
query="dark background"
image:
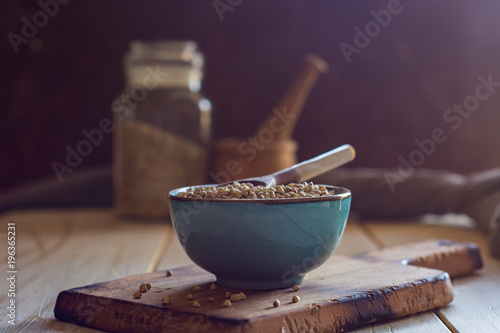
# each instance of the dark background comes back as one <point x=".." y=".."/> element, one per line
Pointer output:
<point x="394" y="91"/>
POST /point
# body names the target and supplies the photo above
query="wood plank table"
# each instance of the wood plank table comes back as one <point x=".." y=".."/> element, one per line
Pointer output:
<point x="61" y="249"/>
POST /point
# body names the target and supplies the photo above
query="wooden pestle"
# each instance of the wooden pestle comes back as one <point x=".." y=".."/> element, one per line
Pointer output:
<point x="294" y="99"/>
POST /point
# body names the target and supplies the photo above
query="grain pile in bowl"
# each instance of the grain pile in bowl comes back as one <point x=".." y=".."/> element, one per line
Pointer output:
<point x="249" y="191"/>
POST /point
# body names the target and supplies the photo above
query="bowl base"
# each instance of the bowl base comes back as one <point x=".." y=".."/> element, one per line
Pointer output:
<point x="259" y="284"/>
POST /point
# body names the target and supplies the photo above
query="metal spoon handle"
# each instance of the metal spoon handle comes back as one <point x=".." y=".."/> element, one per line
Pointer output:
<point x="315" y="166"/>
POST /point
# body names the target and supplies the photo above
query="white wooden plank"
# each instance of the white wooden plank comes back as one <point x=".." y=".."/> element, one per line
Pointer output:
<point x="57" y="250"/>
<point x="354" y="240"/>
<point x="476" y="307"/>
<point x="174" y="255"/>
<point x="72" y="248"/>
<point x="424" y="322"/>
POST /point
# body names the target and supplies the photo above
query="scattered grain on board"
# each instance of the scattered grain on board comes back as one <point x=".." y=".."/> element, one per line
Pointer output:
<point x="296" y="287"/>
<point x="295" y="299"/>
<point x="169" y="273"/>
<point x="276" y="303"/>
<point x="165" y="300"/>
<point x="137" y="295"/>
<point x="196" y="304"/>
<point x="227" y="303"/>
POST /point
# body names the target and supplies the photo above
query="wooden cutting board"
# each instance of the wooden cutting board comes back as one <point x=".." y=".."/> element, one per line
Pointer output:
<point x="347" y="291"/>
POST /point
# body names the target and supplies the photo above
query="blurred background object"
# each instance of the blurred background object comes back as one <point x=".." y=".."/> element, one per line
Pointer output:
<point x="387" y="87"/>
<point x="270" y="147"/>
<point x="162" y="126"/>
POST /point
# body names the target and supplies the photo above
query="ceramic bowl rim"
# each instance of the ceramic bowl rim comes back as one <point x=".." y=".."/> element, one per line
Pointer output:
<point x="344" y="193"/>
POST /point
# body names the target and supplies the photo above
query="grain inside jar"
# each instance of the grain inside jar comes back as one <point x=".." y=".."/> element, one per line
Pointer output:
<point x="152" y="162"/>
<point x="162" y="125"/>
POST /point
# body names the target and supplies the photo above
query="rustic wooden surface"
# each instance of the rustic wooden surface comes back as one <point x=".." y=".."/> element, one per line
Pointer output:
<point x="62" y="249"/>
<point x="345" y="292"/>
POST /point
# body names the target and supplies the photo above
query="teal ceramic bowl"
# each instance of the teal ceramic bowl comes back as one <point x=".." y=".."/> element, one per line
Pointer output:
<point x="262" y="243"/>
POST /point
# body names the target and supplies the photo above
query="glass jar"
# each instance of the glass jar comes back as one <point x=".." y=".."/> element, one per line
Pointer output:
<point x="163" y="126"/>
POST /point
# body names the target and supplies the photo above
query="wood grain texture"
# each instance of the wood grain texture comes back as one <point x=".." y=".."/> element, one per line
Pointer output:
<point x="459" y="258"/>
<point x="476" y="307"/>
<point x="423" y="322"/>
<point x="346" y="292"/>
<point x="60" y="249"/>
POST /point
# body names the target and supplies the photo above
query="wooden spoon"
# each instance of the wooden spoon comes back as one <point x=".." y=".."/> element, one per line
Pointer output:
<point x="305" y="170"/>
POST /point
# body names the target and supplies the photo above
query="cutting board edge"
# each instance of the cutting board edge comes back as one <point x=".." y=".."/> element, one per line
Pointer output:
<point x="361" y="303"/>
<point x="80" y="305"/>
<point x="91" y="311"/>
